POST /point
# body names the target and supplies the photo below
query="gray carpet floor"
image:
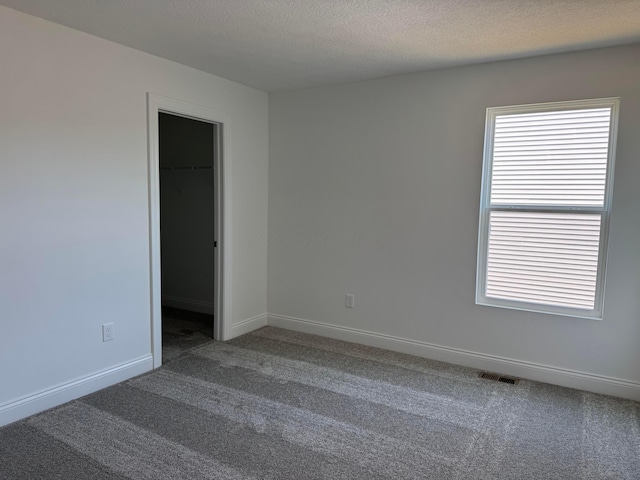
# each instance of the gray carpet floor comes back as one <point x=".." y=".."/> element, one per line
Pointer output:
<point x="276" y="404"/>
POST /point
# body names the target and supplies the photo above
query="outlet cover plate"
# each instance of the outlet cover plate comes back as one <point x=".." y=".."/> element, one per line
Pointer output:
<point x="349" y="300"/>
<point x="107" y="332"/>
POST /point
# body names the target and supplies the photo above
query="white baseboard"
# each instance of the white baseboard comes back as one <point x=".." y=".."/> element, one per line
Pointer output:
<point x="248" y="325"/>
<point x="188" y="304"/>
<point x="508" y="366"/>
<point x="52" y="397"/>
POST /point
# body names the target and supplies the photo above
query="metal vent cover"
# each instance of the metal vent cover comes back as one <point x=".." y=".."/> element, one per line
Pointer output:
<point x="496" y="377"/>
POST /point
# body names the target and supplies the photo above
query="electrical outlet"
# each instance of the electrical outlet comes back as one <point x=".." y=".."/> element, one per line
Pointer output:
<point x="107" y="332"/>
<point x="349" y="300"/>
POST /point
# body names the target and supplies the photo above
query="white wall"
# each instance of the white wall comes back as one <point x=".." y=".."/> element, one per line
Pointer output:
<point x="374" y="190"/>
<point x="74" y="213"/>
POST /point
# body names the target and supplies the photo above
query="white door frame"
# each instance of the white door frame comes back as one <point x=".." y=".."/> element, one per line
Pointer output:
<point x="222" y="234"/>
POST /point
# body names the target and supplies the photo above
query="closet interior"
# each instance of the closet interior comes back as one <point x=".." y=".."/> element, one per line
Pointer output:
<point x="187" y="234"/>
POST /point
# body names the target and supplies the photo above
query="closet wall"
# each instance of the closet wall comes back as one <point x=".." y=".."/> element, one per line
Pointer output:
<point x="187" y="213"/>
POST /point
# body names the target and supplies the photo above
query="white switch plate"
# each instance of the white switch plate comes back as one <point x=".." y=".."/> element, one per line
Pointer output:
<point x="107" y="332"/>
<point x="349" y="300"/>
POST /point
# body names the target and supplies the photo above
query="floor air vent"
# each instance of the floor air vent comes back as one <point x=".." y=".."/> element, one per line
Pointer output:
<point x="496" y="377"/>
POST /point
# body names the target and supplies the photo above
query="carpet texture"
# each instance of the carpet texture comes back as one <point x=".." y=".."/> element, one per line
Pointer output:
<point x="276" y="404"/>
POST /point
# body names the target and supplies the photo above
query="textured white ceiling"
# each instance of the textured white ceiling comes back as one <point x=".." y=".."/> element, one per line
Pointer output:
<point x="276" y="45"/>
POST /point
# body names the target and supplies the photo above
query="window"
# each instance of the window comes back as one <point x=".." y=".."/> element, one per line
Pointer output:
<point x="544" y="209"/>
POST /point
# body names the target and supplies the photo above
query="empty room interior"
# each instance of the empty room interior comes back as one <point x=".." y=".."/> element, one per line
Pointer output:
<point x="320" y="239"/>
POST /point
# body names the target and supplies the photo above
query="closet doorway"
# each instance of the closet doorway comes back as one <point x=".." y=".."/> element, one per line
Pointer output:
<point x="213" y="180"/>
<point x="187" y="155"/>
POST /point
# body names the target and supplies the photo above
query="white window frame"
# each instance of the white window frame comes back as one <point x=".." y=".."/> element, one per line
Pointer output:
<point x="486" y="208"/>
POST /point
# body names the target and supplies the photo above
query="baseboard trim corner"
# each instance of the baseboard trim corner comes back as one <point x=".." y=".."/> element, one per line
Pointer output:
<point x="532" y="371"/>
<point x="248" y="325"/>
<point x="52" y="397"/>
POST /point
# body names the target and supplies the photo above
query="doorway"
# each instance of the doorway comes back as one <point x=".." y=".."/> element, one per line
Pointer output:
<point x="187" y="151"/>
<point x="190" y="260"/>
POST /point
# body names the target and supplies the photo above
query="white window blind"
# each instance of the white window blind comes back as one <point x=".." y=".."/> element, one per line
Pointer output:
<point x="546" y="258"/>
<point x="544" y="208"/>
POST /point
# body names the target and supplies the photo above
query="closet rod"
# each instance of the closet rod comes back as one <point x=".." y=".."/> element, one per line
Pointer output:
<point x="187" y="168"/>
